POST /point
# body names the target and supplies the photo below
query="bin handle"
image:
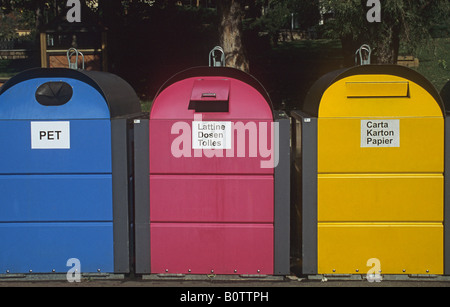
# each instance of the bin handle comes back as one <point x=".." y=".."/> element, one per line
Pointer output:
<point x="360" y="51"/>
<point x="70" y="53"/>
<point x="213" y="62"/>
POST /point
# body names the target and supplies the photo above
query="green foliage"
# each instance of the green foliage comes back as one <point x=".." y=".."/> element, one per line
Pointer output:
<point x="443" y="64"/>
<point x="272" y="16"/>
<point x="408" y="21"/>
<point x="307" y="13"/>
<point x="349" y="17"/>
<point x="434" y="55"/>
<point x="8" y="26"/>
<point x="27" y="14"/>
<point x="12" y="19"/>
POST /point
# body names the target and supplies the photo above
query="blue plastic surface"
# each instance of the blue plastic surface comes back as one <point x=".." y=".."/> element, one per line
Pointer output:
<point x="43" y="247"/>
<point x="55" y="204"/>
<point x="56" y="198"/>
<point x="19" y="102"/>
<point x="90" y="149"/>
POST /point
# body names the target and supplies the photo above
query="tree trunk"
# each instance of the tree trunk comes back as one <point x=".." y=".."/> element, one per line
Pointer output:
<point x="383" y="40"/>
<point x="387" y="48"/>
<point x="39" y="12"/>
<point x="230" y="30"/>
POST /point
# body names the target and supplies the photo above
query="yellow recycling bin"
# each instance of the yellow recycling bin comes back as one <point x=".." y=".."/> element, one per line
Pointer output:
<point x="370" y="142"/>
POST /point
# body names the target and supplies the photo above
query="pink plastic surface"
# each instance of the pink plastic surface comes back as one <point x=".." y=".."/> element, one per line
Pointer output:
<point x="211" y="212"/>
<point x="240" y="199"/>
<point x="246" y="103"/>
<point x="211" y="90"/>
<point x="211" y="248"/>
<point x="162" y="161"/>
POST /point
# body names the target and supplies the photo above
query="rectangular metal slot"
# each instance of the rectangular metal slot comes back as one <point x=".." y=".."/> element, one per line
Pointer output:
<point x="377" y="89"/>
<point x="210" y="96"/>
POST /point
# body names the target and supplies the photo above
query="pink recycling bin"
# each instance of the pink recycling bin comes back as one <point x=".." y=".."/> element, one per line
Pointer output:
<point x="212" y="178"/>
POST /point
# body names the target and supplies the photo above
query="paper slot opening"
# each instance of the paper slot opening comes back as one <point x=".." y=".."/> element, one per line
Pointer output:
<point x="377" y="89"/>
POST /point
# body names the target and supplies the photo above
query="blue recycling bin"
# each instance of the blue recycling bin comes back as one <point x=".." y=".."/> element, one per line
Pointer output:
<point x="64" y="171"/>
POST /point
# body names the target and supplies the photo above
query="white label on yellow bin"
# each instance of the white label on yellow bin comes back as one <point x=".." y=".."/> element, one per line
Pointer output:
<point x="211" y="135"/>
<point x="380" y="133"/>
<point x="50" y="135"/>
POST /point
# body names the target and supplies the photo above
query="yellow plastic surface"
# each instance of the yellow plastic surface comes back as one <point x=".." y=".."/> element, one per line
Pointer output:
<point x="377" y="89"/>
<point x="409" y="248"/>
<point x="380" y="181"/>
<point x="421" y="147"/>
<point x="380" y="198"/>
<point x="418" y="103"/>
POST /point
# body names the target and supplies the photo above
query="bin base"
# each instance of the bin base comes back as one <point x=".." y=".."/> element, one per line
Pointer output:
<point x="59" y="277"/>
<point x="212" y="277"/>
<point x="356" y="277"/>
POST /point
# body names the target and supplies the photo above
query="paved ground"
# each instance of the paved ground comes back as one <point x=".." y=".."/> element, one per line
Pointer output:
<point x="288" y="283"/>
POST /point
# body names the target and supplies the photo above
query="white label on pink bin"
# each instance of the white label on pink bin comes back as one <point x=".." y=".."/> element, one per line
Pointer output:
<point x="211" y="135"/>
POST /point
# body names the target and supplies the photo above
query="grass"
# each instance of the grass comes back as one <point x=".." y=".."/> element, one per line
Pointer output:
<point x="6" y="69"/>
<point x="434" y="57"/>
<point x="146" y="105"/>
<point x="9" y="68"/>
<point x="289" y="70"/>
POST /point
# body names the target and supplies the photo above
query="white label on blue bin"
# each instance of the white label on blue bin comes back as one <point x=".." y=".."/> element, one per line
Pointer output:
<point x="50" y="135"/>
<point x="211" y="135"/>
<point x="380" y="133"/>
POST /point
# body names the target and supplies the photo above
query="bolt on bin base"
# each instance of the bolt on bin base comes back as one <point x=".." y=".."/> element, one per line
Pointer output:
<point x="335" y="277"/>
<point x="416" y="277"/>
<point x="211" y="277"/>
<point x="59" y="277"/>
<point x="356" y="277"/>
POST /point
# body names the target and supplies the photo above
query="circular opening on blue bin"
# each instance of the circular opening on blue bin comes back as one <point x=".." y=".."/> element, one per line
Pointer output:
<point x="54" y="93"/>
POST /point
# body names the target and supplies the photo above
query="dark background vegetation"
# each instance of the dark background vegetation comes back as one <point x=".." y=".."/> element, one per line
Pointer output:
<point x="149" y="41"/>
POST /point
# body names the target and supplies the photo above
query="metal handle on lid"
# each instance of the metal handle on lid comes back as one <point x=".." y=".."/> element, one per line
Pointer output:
<point x="213" y="62"/>
<point x="70" y="53"/>
<point x="363" y="60"/>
